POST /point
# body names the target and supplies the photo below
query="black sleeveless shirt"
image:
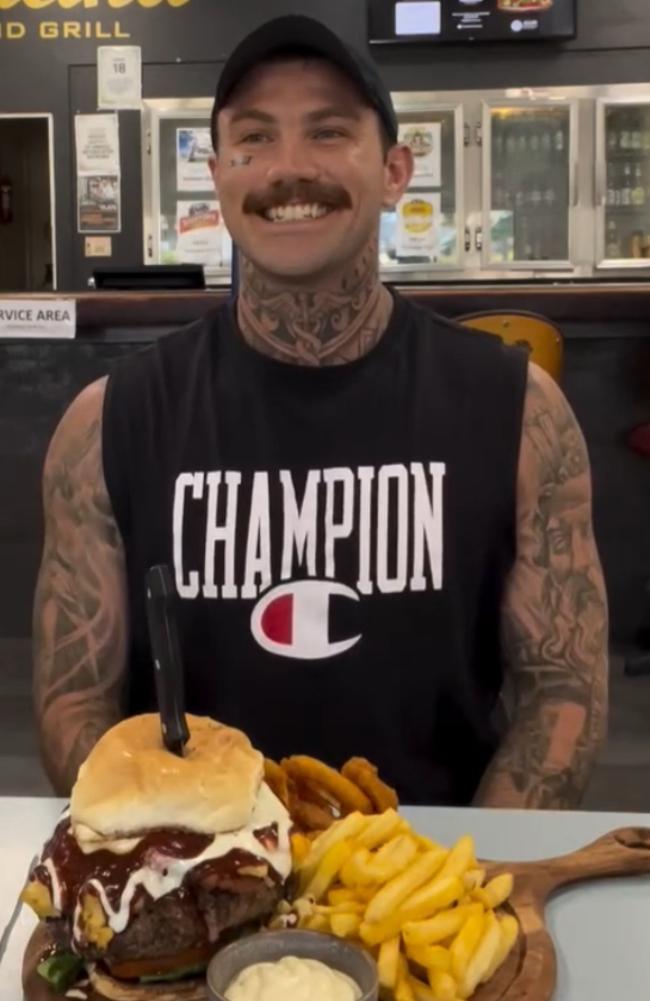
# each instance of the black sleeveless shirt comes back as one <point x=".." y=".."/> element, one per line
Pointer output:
<point x="340" y="537"/>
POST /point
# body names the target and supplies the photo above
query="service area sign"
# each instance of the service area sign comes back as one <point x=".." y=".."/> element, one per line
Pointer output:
<point x="48" y="318"/>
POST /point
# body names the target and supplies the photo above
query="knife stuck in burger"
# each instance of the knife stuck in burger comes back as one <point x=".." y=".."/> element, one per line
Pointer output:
<point x="166" y="654"/>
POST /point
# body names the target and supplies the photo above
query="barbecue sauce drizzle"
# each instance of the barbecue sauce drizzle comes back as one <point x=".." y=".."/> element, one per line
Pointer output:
<point x="74" y="868"/>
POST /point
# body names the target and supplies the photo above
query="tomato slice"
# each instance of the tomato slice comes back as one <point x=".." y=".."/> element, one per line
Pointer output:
<point x="137" y="968"/>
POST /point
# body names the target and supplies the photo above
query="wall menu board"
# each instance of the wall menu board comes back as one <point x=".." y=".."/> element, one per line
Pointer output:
<point x="458" y="21"/>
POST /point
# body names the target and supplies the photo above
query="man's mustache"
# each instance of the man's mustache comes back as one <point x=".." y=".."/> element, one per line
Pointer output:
<point x="332" y="196"/>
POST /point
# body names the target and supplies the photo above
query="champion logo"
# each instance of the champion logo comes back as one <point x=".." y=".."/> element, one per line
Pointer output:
<point x="293" y="620"/>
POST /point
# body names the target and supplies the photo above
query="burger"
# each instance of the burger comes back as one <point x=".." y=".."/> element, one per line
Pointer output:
<point x="159" y="861"/>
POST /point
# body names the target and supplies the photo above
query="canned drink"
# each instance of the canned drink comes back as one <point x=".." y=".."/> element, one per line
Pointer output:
<point x="636" y="246"/>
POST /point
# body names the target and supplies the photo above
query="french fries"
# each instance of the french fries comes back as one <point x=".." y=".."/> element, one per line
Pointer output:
<point x="483" y="956"/>
<point x="388" y="963"/>
<point x="430" y="915"/>
<point x="328" y="869"/>
<point x="465" y="945"/>
<point x="441" y="926"/>
<point x="345" y="925"/>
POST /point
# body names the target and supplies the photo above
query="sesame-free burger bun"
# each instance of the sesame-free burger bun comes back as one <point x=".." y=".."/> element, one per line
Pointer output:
<point x="130" y="783"/>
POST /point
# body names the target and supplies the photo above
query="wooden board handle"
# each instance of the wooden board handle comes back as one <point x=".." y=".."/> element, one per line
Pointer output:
<point x="624" y="852"/>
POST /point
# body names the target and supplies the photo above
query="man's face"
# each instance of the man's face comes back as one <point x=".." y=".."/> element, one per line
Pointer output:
<point x="570" y="543"/>
<point x="310" y="194"/>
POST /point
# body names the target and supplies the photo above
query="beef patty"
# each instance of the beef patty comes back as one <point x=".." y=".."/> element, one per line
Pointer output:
<point x="188" y="919"/>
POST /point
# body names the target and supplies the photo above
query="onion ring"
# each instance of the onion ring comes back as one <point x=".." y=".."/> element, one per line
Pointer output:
<point x="277" y="781"/>
<point x="313" y="793"/>
<point x="310" y="818"/>
<point x="366" y="776"/>
<point x="351" y="798"/>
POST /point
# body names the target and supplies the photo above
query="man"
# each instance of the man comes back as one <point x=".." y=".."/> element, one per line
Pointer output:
<point x="375" y="518"/>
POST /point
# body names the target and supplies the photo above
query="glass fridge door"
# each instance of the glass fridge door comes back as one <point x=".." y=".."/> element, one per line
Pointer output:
<point x="623" y="156"/>
<point x="529" y="184"/>
<point x="183" y="223"/>
<point x="423" y="234"/>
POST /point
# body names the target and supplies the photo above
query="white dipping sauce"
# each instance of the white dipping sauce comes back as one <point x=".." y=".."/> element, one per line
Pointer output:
<point x="292" y="979"/>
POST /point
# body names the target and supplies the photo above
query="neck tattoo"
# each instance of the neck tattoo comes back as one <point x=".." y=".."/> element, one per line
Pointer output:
<point x="329" y="325"/>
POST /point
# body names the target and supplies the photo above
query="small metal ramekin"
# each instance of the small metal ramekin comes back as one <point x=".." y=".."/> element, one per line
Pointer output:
<point x="269" y="947"/>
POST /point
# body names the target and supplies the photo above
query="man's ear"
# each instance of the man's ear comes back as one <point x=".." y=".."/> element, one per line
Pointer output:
<point x="213" y="164"/>
<point x="399" y="171"/>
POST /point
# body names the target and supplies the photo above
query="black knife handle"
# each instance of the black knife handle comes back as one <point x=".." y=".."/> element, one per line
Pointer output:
<point x="166" y="653"/>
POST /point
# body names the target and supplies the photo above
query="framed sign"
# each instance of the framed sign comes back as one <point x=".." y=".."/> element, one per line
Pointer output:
<point x="459" y="21"/>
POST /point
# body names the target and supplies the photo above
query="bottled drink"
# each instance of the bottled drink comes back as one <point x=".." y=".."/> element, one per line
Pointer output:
<point x="611" y="184"/>
<point x="497" y="191"/>
<point x="612" y="137"/>
<point x="626" y="188"/>
<point x="646" y="136"/>
<point x="536" y="194"/>
<point x="638" y="192"/>
<point x="547" y="139"/>
<point x="526" y="246"/>
<point x="521" y="140"/>
<point x="612" y="241"/>
<point x="511" y="143"/>
<point x="535" y="138"/>
<point x="618" y="186"/>
<point x="625" y="137"/>
<point x="550" y="197"/>
<point x="637" y="136"/>
<point x="636" y="244"/>
<point x="558" y="140"/>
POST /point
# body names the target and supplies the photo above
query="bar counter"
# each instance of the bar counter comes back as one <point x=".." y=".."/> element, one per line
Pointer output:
<point x="580" y="309"/>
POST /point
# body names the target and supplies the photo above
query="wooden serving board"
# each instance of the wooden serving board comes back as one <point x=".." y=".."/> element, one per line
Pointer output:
<point x="529" y="974"/>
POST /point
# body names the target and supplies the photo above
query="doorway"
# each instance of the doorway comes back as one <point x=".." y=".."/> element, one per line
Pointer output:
<point x="27" y="246"/>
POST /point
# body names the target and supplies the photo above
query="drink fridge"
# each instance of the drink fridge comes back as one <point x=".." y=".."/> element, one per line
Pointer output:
<point x="623" y="185"/>
<point x="529" y="183"/>
<point x="511" y="184"/>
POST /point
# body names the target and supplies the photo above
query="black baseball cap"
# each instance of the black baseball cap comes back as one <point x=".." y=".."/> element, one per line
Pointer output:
<point x="304" y="34"/>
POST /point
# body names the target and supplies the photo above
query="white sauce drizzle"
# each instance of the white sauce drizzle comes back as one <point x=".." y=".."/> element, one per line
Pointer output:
<point x="165" y="874"/>
<point x="57" y="897"/>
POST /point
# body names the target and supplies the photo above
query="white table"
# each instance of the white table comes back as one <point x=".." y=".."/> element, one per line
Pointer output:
<point x="601" y="930"/>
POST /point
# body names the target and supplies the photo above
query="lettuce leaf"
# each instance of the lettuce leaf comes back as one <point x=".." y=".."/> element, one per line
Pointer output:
<point x="61" y="971"/>
<point x="169" y="978"/>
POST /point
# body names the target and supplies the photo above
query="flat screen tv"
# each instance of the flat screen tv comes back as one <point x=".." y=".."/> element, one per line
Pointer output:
<point x="461" y="21"/>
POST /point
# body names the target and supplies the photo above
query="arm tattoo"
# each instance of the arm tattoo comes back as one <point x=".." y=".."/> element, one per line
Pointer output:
<point x="555" y="627"/>
<point x="328" y="326"/>
<point x="79" y="609"/>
